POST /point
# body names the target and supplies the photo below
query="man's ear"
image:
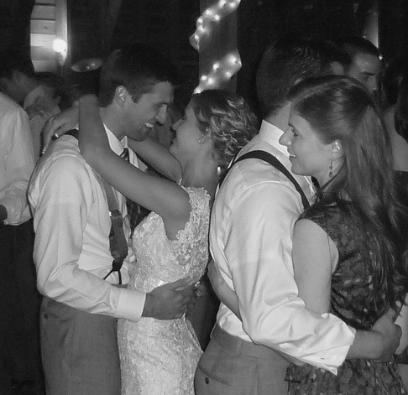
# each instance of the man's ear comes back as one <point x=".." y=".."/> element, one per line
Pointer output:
<point x="121" y="95"/>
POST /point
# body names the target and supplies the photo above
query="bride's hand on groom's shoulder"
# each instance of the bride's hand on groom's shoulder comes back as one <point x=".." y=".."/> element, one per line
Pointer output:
<point x="169" y="301"/>
<point x="58" y="124"/>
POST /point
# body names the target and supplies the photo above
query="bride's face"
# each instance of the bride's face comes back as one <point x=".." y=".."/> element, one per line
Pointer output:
<point x="188" y="138"/>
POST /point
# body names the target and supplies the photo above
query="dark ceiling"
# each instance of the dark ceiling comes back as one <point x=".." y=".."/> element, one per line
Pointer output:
<point x="167" y="24"/>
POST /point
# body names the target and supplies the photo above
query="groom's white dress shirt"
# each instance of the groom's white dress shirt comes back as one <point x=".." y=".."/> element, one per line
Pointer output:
<point x="251" y="243"/>
<point x="72" y="225"/>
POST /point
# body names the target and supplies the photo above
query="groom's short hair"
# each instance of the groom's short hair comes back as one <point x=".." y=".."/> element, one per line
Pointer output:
<point x="137" y="68"/>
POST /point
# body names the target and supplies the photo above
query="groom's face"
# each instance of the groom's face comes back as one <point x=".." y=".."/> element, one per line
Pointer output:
<point x="151" y="107"/>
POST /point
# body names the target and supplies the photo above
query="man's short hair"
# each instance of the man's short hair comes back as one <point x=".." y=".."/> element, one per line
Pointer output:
<point x="137" y="67"/>
<point x="355" y="44"/>
<point x="11" y="61"/>
<point x="285" y="63"/>
<point x="331" y="52"/>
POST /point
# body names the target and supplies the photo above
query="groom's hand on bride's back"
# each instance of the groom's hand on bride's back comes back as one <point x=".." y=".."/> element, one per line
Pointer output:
<point x="169" y="301"/>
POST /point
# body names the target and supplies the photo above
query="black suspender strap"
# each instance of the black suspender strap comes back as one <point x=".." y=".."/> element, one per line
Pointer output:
<point x="117" y="240"/>
<point x="267" y="157"/>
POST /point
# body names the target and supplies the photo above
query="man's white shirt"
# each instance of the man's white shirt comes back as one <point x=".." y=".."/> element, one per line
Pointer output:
<point x="16" y="160"/>
<point x="72" y="225"/>
<point x="251" y="232"/>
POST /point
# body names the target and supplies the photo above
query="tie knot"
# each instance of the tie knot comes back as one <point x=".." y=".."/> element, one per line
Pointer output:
<point x="125" y="154"/>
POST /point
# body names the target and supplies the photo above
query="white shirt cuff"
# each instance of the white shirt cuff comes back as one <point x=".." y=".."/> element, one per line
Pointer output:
<point x="131" y="304"/>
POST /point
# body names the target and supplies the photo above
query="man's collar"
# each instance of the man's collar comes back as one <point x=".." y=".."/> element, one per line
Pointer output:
<point x="116" y="144"/>
<point x="271" y="134"/>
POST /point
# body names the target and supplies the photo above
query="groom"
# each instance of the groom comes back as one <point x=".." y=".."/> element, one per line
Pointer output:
<point x="72" y="225"/>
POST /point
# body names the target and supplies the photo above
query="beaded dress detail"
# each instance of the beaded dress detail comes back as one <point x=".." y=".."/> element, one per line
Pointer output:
<point x="355" y="299"/>
<point x="161" y="356"/>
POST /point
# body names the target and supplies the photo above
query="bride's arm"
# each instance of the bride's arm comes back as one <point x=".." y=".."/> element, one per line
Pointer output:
<point x="158" y="157"/>
<point x="162" y="196"/>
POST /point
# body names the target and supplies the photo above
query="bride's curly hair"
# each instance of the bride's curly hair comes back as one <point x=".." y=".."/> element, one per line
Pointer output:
<point x="227" y="119"/>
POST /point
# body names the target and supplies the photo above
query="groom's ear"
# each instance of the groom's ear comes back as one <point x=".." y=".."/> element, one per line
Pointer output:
<point x="121" y="95"/>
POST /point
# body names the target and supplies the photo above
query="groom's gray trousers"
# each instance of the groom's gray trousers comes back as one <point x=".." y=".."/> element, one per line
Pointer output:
<point x="79" y="351"/>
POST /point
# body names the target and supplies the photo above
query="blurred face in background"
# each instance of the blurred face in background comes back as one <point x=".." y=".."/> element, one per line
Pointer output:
<point x="365" y="68"/>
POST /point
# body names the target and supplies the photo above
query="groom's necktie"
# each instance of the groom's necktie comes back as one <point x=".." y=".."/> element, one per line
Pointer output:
<point x="135" y="212"/>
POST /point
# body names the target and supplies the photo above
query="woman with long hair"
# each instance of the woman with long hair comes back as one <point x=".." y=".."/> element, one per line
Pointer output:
<point x="348" y="248"/>
<point x="160" y="357"/>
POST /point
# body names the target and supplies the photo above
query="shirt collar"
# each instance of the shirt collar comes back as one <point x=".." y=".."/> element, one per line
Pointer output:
<point x="271" y="134"/>
<point x="116" y="144"/>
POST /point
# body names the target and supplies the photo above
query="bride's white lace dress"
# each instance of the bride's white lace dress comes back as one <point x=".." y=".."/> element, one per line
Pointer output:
<point x="160" y="357"/>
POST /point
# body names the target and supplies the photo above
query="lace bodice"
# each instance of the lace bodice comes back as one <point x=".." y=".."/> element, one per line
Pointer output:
<point x="160" y="260"/>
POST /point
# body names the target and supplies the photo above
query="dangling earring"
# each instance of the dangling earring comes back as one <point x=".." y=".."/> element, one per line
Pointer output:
<point x="219" y="171"/>
<point x="331" y="169"/>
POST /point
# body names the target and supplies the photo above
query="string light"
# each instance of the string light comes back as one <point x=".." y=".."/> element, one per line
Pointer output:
<point x="223" y="69"/>
<point x="213" y="14"/>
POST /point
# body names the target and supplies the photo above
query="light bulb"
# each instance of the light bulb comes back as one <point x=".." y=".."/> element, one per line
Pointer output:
<point x="59" y="46"/>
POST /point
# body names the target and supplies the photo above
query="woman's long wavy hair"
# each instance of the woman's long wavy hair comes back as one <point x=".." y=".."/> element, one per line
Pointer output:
<point x="340" y="108"/>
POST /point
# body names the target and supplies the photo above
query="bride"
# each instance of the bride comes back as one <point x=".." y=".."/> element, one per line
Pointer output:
<point x="160" y="357"/>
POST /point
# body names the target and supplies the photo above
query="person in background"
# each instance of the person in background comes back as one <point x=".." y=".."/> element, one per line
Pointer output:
<point x="42" y="95"/>
<point x="365" y="63"/>
<point x="347" y="253"/>
<point x="395" y="90"/>
<point x="20" y="352"/>
<point x="395" y="102"/>
<point x="18" y="81"/>
<point x="251" y="243"/>
<point x="51" y="96"/>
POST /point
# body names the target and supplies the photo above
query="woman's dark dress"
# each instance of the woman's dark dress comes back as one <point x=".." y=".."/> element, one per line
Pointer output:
<point x="355" y="300"/>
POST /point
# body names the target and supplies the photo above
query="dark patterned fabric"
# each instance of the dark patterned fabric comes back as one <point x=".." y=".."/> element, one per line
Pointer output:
<point x="401" y="183"/>
<point x="354" y="299"/>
